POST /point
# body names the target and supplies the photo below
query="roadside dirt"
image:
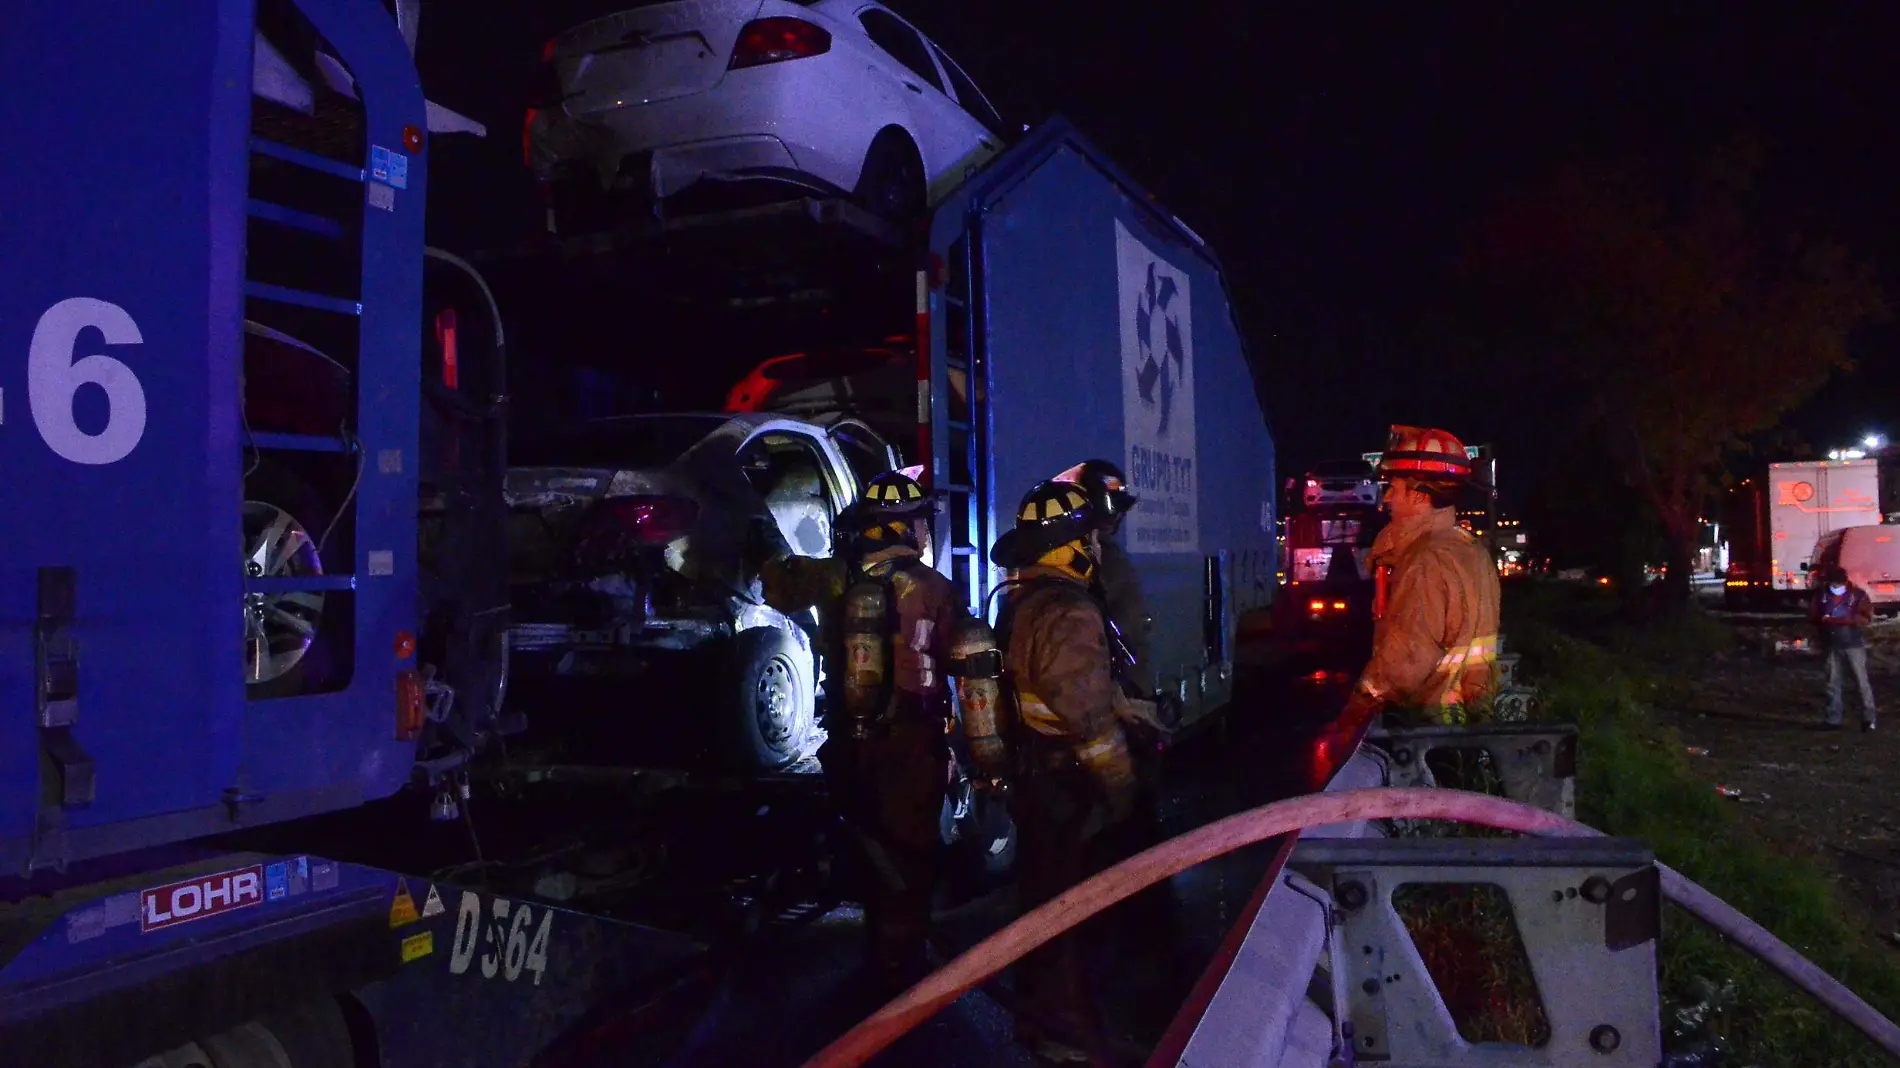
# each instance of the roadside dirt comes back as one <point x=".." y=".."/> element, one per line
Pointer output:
<point x="1824" y="797"/>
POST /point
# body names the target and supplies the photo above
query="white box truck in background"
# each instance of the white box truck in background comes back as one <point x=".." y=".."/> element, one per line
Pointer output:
<point x="1808" y="500"/>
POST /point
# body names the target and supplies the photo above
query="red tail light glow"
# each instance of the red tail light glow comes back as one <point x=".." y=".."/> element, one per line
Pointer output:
<point x="620" y="524"/>
<point x="409" y="706"/>
<point x="544" y="92"/>
<point x="776" y="40"/>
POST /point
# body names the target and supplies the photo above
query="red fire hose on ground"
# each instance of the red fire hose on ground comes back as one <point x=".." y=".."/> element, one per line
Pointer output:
<point x="1144" y="869"/>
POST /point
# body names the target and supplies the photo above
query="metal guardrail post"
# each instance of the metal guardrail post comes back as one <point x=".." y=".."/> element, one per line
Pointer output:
<point x="1588" y="912"/>
<point x="1535" y="763"/>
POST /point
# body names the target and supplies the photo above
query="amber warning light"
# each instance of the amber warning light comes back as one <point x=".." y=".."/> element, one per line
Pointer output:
<point x="408" y="705"/>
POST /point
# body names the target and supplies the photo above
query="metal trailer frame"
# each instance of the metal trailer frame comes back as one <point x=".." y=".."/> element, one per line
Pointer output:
<point x="422" y="972"/>
<point x="143" y="736"/>
<point x="1320" y="969"/>
<point x="104" y="769"/>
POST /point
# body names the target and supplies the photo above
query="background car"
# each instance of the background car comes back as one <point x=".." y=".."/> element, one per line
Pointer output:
<point x="777" y="97"/>
<point x="1340" y="482"/>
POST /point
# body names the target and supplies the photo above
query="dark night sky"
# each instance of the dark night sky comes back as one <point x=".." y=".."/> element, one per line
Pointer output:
<point x="1335" y="157"/>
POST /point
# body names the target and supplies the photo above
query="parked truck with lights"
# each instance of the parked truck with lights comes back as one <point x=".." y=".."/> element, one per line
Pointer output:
<point x="1777" y="517"/>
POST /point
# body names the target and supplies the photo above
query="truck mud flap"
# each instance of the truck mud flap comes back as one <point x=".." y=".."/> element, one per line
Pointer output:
<point x="1534" y="763"/>
<point x="448" y="976"/>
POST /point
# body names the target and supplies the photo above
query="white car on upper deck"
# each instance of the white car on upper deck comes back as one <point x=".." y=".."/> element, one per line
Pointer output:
<point x="822" y="96"/>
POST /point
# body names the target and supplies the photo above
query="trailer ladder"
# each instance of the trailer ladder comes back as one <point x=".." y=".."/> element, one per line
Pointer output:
<point x="966" y="472"/>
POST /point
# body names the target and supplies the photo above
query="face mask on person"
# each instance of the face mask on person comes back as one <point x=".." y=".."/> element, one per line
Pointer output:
<point x="1837" y="590"/>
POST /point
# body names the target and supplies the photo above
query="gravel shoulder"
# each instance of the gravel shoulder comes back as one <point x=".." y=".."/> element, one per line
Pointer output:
<point x="1751" y="720"/>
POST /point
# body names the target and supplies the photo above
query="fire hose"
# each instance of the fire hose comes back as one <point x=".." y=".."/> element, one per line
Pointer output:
<point x="1176" y="855"/>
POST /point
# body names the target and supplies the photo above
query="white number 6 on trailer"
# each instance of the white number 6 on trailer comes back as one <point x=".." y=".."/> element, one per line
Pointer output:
<point x="53" y="378"/>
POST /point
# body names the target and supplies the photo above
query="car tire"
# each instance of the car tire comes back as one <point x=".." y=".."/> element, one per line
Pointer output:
<point x="288" y="634"/>
<point x="769" y="705"/>
<point x="892" y="184"/>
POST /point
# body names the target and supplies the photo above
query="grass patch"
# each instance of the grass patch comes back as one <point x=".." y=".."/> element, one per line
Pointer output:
<point x="1634" y="781"/>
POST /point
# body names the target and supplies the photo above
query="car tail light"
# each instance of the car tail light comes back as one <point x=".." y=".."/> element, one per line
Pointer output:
<point x="621" y="524"/>
<point x="544" y="91"/>
<point x="776" y="40"/>
<point x="410" y="709"/>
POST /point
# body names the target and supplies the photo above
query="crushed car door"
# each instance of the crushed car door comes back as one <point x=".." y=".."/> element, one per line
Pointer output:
<point x="790" y="473"/>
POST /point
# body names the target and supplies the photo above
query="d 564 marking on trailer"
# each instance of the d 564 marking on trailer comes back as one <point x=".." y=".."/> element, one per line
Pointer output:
<point x="510" y="935"/>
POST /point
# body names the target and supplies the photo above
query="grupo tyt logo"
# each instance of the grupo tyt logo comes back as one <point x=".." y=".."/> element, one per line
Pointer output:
<point x="1163" y="367"/>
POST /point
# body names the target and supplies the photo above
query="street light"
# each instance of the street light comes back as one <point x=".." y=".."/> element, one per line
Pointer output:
<point x="1874" y="441"/>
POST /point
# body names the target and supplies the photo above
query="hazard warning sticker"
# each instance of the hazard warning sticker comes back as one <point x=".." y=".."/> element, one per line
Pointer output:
<point x="432" y="905"/>
<point x="402" y="910"/>
<point x="417" y="946"/>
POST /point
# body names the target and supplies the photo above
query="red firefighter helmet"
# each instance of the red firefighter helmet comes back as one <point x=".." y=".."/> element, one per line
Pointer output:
<point x="1424" y="454"/>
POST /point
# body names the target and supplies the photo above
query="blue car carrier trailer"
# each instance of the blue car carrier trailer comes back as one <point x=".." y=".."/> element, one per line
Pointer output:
<point x="1088" y="322"/>
<point x="219" y="326"/>
<point x="1064" y="316"/>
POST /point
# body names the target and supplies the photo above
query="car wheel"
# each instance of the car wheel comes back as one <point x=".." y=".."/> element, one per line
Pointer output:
<point x="769" y="709"/>
<point x="282" y="520"/>
<point x="892" y="184"/>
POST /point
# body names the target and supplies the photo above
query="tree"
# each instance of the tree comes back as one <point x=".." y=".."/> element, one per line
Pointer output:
<point x="1666" y="325"/>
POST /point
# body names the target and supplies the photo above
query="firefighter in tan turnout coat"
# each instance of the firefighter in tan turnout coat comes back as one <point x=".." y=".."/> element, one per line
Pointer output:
<point x="1435" y="638"/>
<point x="1074" y="776"/>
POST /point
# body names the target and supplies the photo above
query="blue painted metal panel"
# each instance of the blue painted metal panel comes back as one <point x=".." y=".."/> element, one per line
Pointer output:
<point x="125" y="242"/>
<point x="133" y="200"/>
<point x="438" y="959"/>
<point x="1052" y="222"/>
<point x="315" y="745"/>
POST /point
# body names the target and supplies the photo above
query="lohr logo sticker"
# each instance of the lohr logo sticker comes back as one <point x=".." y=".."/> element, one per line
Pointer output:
<point x="206" y="895"/>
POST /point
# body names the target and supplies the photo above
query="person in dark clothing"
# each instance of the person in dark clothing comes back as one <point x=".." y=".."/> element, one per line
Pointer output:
<point x="1840" y="610"/>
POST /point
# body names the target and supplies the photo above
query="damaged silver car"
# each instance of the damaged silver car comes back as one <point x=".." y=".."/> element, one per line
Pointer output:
<point x="635" y="544"/>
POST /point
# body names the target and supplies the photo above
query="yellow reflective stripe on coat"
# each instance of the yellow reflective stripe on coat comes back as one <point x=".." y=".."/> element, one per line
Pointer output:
<point x="1451" y="667"/>
<point x="1093" y="752"/>
<point x="1038" y="716"/>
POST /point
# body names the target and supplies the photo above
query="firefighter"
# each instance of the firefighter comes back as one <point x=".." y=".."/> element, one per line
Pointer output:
<point x="887" y="621"/>
<point x="1435" y="600"/>
<point x="1074" y="774"/>
<point x="1118" y="586"/>
<point x="1116" y="579"/>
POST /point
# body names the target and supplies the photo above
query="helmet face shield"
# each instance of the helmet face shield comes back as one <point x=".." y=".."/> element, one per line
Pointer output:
<point x="1106" y="486"/>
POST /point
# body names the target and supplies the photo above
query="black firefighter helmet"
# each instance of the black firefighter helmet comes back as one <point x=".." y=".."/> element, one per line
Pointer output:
<point x="1054" y="513"/>
<point x="888" y="512"/>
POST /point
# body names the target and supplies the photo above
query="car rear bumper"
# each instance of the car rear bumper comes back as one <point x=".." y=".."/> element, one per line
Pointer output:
<point x="621" y="648"/>
<point x="793" y="118"/>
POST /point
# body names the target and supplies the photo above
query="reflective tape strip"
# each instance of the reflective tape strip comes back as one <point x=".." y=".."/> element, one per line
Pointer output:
<point x="1447" y="690"/>
<point x="1090" y="752"/>
<point x="1037" y="716"/>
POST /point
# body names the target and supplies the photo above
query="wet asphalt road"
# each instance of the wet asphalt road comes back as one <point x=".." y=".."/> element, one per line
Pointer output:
<point x="792" y="994"/>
